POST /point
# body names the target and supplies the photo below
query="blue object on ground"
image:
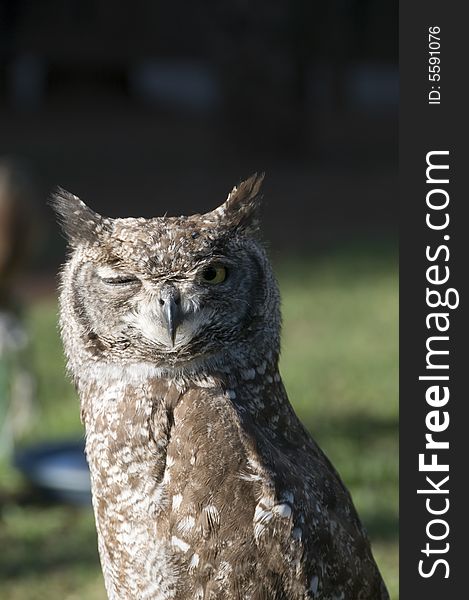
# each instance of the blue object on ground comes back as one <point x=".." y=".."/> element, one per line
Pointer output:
<point x="59" y="469"/>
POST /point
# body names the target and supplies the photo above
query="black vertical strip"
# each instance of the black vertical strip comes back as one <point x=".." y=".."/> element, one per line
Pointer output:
<point x="424" y="128"/>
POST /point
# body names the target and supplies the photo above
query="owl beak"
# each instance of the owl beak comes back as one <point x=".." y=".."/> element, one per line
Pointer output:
<point x="171" y="313"/>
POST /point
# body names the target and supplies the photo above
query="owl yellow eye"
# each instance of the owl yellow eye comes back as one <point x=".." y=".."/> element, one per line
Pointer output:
<point x="214" y="274"/>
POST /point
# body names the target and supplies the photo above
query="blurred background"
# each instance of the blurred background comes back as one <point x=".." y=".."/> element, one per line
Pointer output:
<point x="147" y="108"/>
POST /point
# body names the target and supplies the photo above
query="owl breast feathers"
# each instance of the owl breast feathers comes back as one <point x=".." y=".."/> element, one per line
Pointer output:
<point x="205" y="483"/>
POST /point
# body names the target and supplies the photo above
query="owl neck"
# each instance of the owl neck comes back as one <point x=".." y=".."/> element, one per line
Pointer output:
<point x="230" y="364"/>
<point x="252" y="386"/>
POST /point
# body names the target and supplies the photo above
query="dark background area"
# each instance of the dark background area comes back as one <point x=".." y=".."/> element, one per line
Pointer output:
<point x="143" y="108"/>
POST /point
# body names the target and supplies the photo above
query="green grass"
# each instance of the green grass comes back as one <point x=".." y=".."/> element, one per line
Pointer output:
<point x="339" y="364"/>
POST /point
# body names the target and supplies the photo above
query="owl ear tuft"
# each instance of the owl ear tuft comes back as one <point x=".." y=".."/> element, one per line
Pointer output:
<point x="79" y="223"/>
<point x="241" y="208"/>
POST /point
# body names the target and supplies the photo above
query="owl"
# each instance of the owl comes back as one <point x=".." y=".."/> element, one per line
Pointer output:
<point x="205" y="484"/>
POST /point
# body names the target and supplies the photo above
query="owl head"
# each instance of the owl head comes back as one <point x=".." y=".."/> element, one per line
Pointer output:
<point x="176" y="292"/>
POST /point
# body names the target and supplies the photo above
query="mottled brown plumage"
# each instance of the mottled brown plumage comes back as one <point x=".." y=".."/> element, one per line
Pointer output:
<point x="205" y="483"/>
